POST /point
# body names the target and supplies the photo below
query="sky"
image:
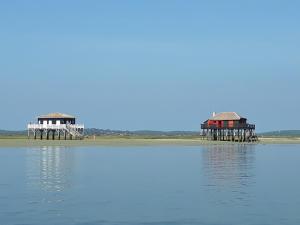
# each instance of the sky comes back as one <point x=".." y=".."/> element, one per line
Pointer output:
<point x="150" y="65"/>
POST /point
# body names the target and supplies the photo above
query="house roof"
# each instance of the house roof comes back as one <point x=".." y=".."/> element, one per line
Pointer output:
<point x="226" y="116"/>
<point x="56" y="116"/>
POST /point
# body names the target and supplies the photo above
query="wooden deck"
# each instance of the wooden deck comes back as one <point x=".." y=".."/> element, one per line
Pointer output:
<point x="234" y="127"/>
<point x="237" y="132"/>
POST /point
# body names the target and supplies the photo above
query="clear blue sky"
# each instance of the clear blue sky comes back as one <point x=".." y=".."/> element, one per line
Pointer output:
<point x="160" y="65"/>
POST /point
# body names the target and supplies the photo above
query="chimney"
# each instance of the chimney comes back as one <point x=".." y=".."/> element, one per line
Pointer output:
<point x="214" y="114"/>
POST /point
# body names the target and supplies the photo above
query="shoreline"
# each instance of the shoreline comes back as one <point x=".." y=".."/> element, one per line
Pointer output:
<point x="135" y="141"/>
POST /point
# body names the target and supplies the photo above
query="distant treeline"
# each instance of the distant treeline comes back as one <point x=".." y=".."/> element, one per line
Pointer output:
<point x="13" y="133"/>
<point x="99" y="132"/>
<point x="282" y="133"/>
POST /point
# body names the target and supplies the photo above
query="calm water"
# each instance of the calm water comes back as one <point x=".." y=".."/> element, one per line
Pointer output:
<point x="226" y="184"/>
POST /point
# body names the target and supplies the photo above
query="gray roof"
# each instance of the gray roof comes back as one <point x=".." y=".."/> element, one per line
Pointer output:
<point x="226" y="116"/>
<point x="56" y="116"/>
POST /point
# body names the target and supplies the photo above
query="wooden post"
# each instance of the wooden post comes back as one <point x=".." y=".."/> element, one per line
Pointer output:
<point x="241" y="135"/>
<point x="53" y="135"/>
<point x="234" y="134"/>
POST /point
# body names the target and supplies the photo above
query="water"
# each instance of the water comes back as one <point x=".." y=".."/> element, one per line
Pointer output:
<point x="222" y="184"/>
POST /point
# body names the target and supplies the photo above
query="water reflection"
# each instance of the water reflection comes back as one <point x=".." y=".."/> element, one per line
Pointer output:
<point x="229" y="168"/>
<point x="50" y="168"/>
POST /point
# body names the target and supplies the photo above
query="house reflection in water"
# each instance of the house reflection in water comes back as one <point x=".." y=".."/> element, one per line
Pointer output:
<point x="229" y="165"/>
<point x="50" y="168"/>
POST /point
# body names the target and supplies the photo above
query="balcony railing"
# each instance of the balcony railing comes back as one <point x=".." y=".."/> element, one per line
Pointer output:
<point x="235" y="126"/>
<point x="54" y="126"/>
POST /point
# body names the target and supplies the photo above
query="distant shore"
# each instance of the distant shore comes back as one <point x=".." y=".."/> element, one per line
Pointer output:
<point x="134" y="141"/>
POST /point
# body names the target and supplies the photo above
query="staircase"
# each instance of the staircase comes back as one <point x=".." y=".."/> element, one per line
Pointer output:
<point x="72" y="130"/>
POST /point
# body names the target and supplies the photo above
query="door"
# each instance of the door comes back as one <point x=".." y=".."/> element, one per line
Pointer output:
<point x="225" y="124"/>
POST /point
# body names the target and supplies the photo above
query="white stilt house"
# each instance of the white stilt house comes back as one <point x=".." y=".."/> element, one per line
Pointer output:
<point x="57" y="125"/>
